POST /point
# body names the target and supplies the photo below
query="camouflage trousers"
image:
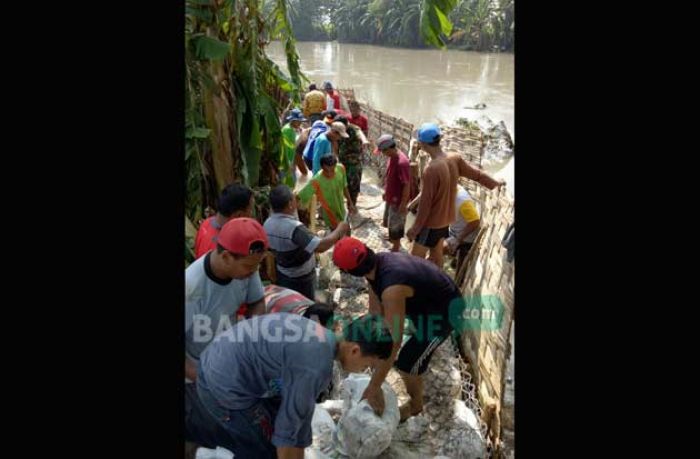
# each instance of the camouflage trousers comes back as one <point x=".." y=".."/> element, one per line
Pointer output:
<point x="354" y="174"/>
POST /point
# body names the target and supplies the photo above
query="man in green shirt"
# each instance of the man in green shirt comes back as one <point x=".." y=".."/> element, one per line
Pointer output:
<point x="329" y="185"/>
<point x="288" y="159"/>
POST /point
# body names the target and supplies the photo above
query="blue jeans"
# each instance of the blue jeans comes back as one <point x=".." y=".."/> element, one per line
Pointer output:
<point x="246" y="433"/>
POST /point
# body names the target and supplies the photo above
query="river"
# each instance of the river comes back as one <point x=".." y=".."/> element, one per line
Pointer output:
<point x="418" y="85"/>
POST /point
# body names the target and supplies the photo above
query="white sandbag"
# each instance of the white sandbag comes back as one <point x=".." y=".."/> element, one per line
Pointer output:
<point x="314" y="453"/>
<point x="465" y="415"/>
<point x="401" y="450"/>
<point x="464" y="438"/>
<point x="218" y="453"/>
<point x="413" y="430"/>
<point x="361" y="433"/>
<point x="334" y="407"/>
<point x="322" y="429"/>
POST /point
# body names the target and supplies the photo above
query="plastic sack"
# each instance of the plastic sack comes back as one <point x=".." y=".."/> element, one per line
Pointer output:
<point x="361" y="434"/>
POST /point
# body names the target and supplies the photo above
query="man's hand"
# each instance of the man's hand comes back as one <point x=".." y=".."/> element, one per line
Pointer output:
<point x="403" y="209"/>
<point x="501" y="183"/>
<point x="190" y="369"/>
<point x="351" y="208"/>
<point x="343" y="227"/>
<point x="412" y="233"/>
<point x="375" y="398"/>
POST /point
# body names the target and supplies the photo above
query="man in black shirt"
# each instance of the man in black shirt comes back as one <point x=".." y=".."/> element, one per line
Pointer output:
<point x="403" y="286"/>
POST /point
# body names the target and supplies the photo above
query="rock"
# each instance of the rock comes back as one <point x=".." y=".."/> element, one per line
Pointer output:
<point x="414" y="430"/>
<point x="349" y="303"/>
<point x="346" y="281"/>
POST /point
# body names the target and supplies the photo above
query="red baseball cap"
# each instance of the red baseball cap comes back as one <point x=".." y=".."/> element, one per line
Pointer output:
<point x="238" y="234"/>
<point x="349" y="253"/>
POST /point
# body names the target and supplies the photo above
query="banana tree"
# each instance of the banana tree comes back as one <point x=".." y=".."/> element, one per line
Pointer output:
<point x="233" y="131"/>
<point x="434" y="21"/>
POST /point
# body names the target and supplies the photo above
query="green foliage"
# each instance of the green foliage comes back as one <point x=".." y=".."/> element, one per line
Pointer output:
<point x="481" y="25"/>
<point x="232" y="93"/>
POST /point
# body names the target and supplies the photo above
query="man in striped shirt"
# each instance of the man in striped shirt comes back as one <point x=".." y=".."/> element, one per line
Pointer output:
<point x="280" y="299"/>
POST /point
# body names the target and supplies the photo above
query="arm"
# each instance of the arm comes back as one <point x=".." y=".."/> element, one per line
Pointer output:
<point x="425" y="204"/>
<point x="404" y="198"/>
<point x="270" y="267"/>
<point x="405" y="178"/>
<point x="351" y="206"/>
<point x="414" y="204"/>
<point x="190" y="369"/>
<point x="288" y="452"/>
<point x="470" y="228"/>
<point x="363" y="139"/>
<point x="299" y="161"/>
<point x="468" y="171"/>
<point x="304" y="195"/>
<point x="375" y="307"/>
<point x="453" y="243"/>
<point x="335" y="235"/>
<point x="394" y="302"/>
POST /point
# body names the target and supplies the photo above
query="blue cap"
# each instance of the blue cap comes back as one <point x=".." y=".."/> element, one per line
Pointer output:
<point x="295" y="115"/>
<point x="327" y="85"/>
<point x="428" y="132"/>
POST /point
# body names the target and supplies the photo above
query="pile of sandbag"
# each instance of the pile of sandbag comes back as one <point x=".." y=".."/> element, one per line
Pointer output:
<point x="360" y="432"/>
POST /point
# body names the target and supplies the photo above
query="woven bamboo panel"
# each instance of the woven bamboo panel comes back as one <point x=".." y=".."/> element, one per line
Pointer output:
<point x="489" y="273"/>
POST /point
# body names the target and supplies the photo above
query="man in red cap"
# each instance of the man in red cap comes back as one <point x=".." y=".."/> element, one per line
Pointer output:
<point x="218" y="283"/>
<point x="403" y="286"/>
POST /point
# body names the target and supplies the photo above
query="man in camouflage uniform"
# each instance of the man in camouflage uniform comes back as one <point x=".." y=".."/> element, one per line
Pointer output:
<point x="350" y="155"/>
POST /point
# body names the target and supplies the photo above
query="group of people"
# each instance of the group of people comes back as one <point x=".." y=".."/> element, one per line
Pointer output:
<point x="258" y="358"/>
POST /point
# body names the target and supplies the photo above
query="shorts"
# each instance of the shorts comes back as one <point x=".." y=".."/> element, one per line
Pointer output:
<point x="429" y="237"/>
<point x="396" y="223"/>
<point x="415" y="355"/>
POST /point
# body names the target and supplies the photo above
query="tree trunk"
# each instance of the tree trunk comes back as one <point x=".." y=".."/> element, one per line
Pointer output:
<point x="219" y="117"/>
